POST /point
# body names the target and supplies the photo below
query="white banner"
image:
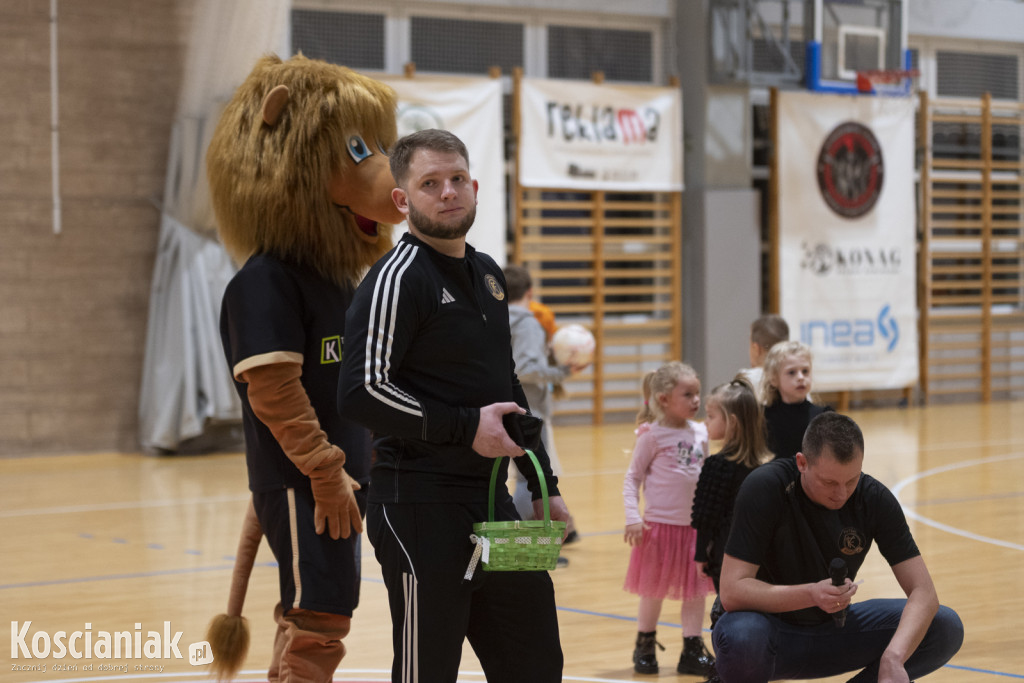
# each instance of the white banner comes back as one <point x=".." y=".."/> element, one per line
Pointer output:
<point x="846" y="236"/>
<point x="472" y="109"/>
<point x="583" y="136"/>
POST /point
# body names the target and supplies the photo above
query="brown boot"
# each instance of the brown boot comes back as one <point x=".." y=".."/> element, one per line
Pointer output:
<point x="308" y="646"/>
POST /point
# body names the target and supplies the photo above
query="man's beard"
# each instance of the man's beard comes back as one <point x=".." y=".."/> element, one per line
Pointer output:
<point x="443" y="231"/>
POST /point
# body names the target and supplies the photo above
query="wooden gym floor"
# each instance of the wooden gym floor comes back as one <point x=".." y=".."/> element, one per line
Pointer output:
<point x="105" y="541"/>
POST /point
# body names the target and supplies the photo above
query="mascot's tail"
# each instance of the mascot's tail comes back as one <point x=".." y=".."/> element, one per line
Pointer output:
<point x="228" y="634"/>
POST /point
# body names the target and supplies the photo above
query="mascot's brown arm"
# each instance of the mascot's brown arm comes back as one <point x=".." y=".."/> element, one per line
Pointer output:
<point x="280" y="401"/>
<point x="228" y="634"/>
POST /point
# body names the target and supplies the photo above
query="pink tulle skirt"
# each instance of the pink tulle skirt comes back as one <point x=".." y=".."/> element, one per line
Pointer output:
<point x="662" y="566"/>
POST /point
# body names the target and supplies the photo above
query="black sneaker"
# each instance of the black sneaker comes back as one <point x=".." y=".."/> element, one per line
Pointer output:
<point x="561" y="562"/>
<point x="713" y="676"/>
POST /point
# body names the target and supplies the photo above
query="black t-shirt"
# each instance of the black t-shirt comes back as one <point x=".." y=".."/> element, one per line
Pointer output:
<point x="785" y="424"/>
<point x="793" y="540"/>
<point x="274" y="311"/>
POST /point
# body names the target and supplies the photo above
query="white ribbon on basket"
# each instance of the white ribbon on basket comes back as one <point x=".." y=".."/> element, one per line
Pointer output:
<point x="482" y="551"/>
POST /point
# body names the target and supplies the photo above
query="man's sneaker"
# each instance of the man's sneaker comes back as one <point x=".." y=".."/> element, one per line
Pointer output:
<point x="713" y="676"/>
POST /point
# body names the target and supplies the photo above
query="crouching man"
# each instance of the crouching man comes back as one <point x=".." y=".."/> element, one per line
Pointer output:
<point x="801" y="530"/>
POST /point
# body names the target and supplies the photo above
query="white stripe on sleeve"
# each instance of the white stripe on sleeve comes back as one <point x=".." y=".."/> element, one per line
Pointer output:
<point x="380" y="333"/>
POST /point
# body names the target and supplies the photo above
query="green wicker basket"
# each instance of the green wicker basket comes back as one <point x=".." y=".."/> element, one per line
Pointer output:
<point x="518" y="546"/>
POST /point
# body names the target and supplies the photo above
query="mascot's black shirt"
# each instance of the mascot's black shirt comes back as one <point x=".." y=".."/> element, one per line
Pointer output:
<point x="272" y="308"/>
<point x="793" y="539"/>
<point x="428" y="345"/>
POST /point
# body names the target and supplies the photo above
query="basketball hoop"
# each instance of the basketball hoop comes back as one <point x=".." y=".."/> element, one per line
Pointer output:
<point x="891" y="81"/>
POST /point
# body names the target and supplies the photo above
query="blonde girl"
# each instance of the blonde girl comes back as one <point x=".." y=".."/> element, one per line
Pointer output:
<point x="784" y="391"/>
<point x="669" y="452"/>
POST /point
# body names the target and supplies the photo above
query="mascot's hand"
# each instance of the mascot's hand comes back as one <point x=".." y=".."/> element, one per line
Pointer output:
<point x="334" y="494"/>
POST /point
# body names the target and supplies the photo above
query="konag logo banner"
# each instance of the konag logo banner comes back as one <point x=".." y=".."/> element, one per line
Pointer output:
<point x="584" y="136"/>
<point x="847" y="222"/>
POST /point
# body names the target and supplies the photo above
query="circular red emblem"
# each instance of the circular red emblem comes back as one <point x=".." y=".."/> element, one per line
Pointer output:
<point x="850" y="169"/>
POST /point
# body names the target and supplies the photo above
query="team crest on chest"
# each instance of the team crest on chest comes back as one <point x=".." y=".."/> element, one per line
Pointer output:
<point x="851" y="542"/>
<point x="495" y="289"/>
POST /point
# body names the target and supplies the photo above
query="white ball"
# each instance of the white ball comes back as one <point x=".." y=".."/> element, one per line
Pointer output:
<point x="573" y="345"/>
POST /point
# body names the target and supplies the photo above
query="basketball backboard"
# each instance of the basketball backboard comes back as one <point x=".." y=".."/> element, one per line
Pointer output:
<point x="851" y="37"/>
<point x="823" y="45"/>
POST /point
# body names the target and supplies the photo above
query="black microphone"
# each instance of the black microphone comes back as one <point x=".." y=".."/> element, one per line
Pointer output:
<point x="837" y="572"/>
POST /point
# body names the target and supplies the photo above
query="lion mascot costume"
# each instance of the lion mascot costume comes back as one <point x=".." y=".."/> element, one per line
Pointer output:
<point x="301" y="190"/>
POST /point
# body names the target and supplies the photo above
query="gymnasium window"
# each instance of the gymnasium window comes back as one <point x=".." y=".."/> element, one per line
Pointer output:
<point x="621" y="55"/>
<point x="447" y="45"/>
<point x="347" y="38"/>
<point x="972" y="74"/>
<point x="767" y="58"/>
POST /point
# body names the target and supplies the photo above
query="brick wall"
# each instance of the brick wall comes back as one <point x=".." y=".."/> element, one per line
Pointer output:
<point x="73" y="306"/>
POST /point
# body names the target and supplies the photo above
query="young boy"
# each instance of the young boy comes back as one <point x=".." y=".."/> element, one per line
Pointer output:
<point x="535" y="370"/>
<point x="765" y="332"/>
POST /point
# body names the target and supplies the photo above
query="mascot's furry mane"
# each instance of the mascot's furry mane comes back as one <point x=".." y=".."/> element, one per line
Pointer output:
<point x="269" y="181"/>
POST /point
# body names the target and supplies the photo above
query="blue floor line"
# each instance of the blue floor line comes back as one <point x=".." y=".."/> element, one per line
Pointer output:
<point x="116" y="577"/>
<point x="983" y="671"/>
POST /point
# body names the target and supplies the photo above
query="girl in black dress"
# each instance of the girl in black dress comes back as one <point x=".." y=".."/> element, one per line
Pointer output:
<point x="734" y="417"/>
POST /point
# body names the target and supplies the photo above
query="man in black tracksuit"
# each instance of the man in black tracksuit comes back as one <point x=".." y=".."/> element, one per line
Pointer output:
<point x="428" y="368"/>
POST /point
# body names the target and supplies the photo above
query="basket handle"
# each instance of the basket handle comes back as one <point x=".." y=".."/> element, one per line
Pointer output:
<point x="540" y="476"/>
